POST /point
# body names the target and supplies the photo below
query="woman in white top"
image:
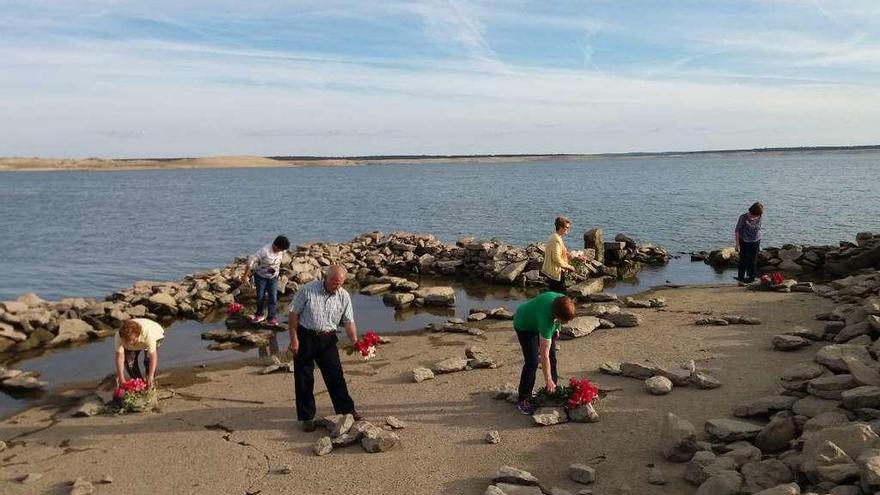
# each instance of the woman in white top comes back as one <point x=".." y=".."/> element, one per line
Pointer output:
<point x="266" y="266"/>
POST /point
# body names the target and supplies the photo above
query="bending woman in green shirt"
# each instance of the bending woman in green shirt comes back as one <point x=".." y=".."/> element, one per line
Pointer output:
<point x="537" y="324"/>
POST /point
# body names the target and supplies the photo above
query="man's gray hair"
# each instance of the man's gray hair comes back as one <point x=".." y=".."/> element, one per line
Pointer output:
<point x="336" y="270"/>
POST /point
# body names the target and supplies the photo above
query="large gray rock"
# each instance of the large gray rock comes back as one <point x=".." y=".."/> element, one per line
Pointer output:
<point x="595" y="239"/>
<point x="862" y="373"/>
<point x="378" y="440"/>
<point x="584" y="289"/>
<point x="450" y="365"/>
<point x="8" y="332"/>
<point x="23" y="381"/>
<point x="373" y="289"/>
<point x="580" y="326"/>
<point x="869" y="468"/>
<point x="585" y="413"/>
<point x="723" y="483"/>
<point x="776" y="435"/>
<point x="784" y="342"/>
<point x="796" y="377"/>
<point x="729" y="430"/>
<point x="436" y="296"/>
<point x="398" y="300"/>
<point x="678" y="439"/>
<point x="765" y="474"/>
<point x="71" y="330"/>
<point x="828" y="463"/>
<point x="678" y="376"/>
<point x="421" y="374"/>
<point x="706" y="464"/>
<point x="323" y="446"/>
<point x="861" y="397"/>
<point x="852" y="439"/>
<point x="832" y="356"/>
<point x="658" y="385"/>
<point x="625" y="319"/>
<point x="811" y="406"/>
<point x="830" y="387"/>
<point x="511" y="272"/>
<point x="582" y="473"/>
<point x="338" y="424"/>
<point x="764" y="406"/>
<point x="636" y="370"/>
<point x="163" y="303"/>
<point x="514" y="476"/>
<point x="549" y="416"/>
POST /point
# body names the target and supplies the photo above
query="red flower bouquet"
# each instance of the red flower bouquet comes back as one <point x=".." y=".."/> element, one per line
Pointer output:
<point x="233" y="309"/>
<point x="134" y="396"/>
<point x="366" y="346"/>
<point x="774" y="278"/>
<point x="582" y="393"/>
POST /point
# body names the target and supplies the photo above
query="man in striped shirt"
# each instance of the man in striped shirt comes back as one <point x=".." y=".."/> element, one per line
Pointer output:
<point x="317" y="310"/>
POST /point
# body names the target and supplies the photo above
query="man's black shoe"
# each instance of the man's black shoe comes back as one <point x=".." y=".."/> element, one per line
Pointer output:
<point x="308" y="425"/>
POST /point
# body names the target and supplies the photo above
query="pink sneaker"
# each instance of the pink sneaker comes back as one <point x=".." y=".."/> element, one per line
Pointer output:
<point x="257" y="318"/>
<point x="273" y="321"/>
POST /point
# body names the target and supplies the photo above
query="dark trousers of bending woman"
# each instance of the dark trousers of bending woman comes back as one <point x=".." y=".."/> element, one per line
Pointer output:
<point x="530" y="343"/>
<point x="748" y="260"/>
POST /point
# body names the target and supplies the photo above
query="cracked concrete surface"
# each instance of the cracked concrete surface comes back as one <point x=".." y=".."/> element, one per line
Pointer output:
<point x="229" y="430"/>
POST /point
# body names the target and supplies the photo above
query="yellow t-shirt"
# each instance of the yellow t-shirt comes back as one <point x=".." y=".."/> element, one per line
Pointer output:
<point x="151" y="332"/>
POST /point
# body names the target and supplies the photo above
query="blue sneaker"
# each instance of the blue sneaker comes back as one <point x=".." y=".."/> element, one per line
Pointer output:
<point x="525" y="407"/>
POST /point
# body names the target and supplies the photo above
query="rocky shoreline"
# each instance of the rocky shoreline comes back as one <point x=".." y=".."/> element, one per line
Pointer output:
<point x="846" y="257"/>
<point x="32" y="323"/>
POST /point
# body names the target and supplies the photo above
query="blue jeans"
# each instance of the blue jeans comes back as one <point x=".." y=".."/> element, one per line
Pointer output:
<point x="266" y="286"/>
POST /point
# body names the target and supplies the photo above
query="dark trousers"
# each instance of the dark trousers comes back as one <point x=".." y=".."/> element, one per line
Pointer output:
<point x="530" y="344"/>
<point x="318" y="348"/>
<point x="748" y="260"/>
<point x="131" y="363"/>
<point x="557" y="285"/>
<point x="267" y="288"/>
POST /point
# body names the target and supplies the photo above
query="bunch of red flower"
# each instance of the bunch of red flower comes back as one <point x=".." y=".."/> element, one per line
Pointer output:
<point x="233" y="309"/>
<point x="131" y="386"/>
<point x="582" y="393"/>
<point x="774" y="278"/>
<point x="367" y="345"/>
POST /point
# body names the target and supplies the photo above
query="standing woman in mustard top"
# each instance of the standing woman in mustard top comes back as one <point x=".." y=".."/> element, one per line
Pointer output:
<point x="556" y="257"/>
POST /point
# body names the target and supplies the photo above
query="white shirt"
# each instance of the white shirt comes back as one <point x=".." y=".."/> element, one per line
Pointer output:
<point x="267" y="263"/>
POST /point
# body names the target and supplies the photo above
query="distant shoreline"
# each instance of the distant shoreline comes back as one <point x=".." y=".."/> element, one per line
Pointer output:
<point x="35" y="164"/>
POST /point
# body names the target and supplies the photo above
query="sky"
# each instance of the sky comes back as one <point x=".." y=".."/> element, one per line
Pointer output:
<point x="161" y="78"/>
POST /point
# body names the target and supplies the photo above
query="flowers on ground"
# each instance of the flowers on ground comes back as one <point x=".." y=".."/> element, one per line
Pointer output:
<point x="366" y="346"/>
<point x="577" y="393"/>
<point x="774" y="278"/>
<point x="234" y="309"/>
<point x="134" y="395"/>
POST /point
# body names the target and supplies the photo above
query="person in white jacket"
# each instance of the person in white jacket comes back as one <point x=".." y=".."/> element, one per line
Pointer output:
<point x="266" y="267"/>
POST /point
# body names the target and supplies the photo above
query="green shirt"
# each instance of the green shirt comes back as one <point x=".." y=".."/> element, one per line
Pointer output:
<point x="536" y="315"/>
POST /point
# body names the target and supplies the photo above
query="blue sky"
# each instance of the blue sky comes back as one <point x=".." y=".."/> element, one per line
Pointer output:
<point x="336" y="77"/>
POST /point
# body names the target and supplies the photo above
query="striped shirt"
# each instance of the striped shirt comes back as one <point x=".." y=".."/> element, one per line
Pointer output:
<point x="320" y="310"/>
<point x="749" y="230"/>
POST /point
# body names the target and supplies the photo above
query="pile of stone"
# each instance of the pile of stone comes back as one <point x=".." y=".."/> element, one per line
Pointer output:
<point x="660" y="380"/>
<point x="725" y="320"/>
<point x="818" y="434"/>
<point x="30" y="322"/>
<point x="344" y="431"/>
<point x="845" y="258"/>
<point x="512" y="481"/>
<point x="18" y="380"/>
<point x="229" y="339"/>
<point x="479" y="314"/>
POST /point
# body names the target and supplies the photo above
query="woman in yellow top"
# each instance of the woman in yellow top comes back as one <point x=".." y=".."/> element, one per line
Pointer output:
<point x="135" y="336"/>
<point x="556" y="257"/>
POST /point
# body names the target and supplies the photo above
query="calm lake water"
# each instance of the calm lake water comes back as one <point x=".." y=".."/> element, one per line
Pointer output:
<point x="91" y="233"/>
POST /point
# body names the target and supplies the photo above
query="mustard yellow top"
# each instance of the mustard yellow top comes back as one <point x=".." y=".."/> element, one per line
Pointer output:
<point x="555" y="257"/>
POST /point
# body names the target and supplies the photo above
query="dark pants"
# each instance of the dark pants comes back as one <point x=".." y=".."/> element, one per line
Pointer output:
<point x="530" y="343"/>
<point x="748" y="260"/>
<point x="131" y="363"/>
<point x="320" y="348"/>
<point x="557" y="285"/>
<point x="266" y="287"/>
